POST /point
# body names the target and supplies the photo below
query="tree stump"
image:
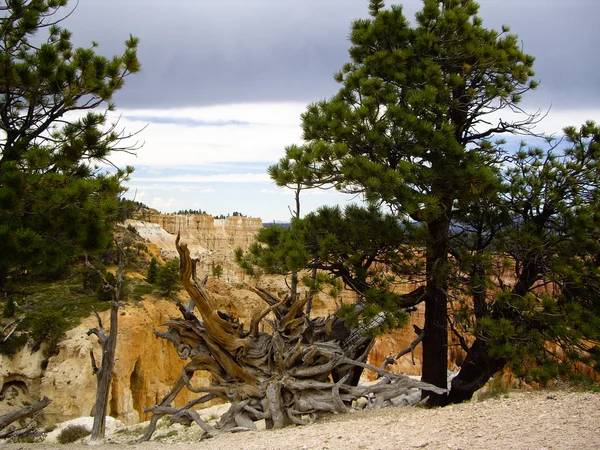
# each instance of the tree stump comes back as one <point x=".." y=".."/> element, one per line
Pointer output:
<point x="302" y="369"/>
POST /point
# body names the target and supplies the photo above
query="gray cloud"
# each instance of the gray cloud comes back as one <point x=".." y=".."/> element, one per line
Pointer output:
<point x="196" y="52"/>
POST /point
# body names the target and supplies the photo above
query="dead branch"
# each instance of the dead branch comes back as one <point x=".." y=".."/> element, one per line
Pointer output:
<point x="410" y="349"/>
<point x="27" y="411"/>
<point x="304" y="367"/>
<point x="16" y="323"/>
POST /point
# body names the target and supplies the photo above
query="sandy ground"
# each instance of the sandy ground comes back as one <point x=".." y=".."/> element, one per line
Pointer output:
<point x="522" y="420"/>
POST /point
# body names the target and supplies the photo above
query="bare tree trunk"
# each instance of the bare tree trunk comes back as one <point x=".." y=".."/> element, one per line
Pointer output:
<point x="104" y="372"/>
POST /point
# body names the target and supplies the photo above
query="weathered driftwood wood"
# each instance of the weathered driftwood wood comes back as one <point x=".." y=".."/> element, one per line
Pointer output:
<point x="27" y="411"/>
<point x="303" y="368"/>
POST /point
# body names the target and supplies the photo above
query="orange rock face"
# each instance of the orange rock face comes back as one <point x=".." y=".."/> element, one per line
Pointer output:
<point x="145" y="368"/>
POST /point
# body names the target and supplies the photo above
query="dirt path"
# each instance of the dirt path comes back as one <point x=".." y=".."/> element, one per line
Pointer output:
<point x="524" y="420"/>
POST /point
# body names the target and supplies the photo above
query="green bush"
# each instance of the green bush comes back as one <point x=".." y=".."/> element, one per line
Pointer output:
<point x="497" y="387"/>
<point x="49" y="327"/>
<point x="217" y="271"/>
<point x="72" y="433"/>
<point x="152" y="271"/>
<point x="9" y="307"/>
<point x="168" y="277"/>
<point x="13" y="344"/>
<point x="143" y="289"/>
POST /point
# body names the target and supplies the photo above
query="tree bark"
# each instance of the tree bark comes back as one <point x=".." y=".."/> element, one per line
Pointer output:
<point x="435" y="340"/>
<point x="475" y="372"/>
<point x="104" y="372"/>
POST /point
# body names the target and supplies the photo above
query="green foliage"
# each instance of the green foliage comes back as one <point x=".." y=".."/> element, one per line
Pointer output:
<point x="48" y="327"/>
<point x="168" y="277"/>
<point x="217" y="271"/>
<point x="9" y="307"/>
<point x="167" y="435"/>
<point x="143" y="289"/>
<point x="152" y="274"/>
<point x="361" y="248"/>
<point x="54" y="200"/>
<point x="12" y="345"/>
<point x="545" y="231"/>
<point x="72" y="433"/>
<point x="511" y="249"/>
<point x="63" y="300"/>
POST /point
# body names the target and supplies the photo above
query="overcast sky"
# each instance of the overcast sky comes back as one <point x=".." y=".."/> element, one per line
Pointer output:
<point x="223" y="83"/>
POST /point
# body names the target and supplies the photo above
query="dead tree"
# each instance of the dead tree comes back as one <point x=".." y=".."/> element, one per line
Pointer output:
<point x="28" y="411"/>
<point x="300" y="370"/>
<point x="104" y="372"/>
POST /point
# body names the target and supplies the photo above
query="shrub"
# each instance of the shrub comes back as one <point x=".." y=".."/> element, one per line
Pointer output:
<point x="168" y="277"/>
<point x="497" y="387"/>
<point x="72" y="433"/>
<point x="13" y="344"/>
<point x="152" y="271"/>
<point x="143" y="289"/>
<point x="49" y="327"/>
<point x="9" y="307"/>
<point x="217" y="271"/>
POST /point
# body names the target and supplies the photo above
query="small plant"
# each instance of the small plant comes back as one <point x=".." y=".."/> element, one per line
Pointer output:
<point x="166" y="436"/>
<point x="9" y="307"/>
<point x="28" y="437"/>
<point x="152" y="271"/>
<point x="143" y="289"/>
<point x="13" y="344"/>
<point x="72" y="433"/>
<point x="167" y="278"/>
<point x="217" y="271"/>
<point x="47" y="326"/>
<point x="212" y="416"/>
<point x="496" y="388"/>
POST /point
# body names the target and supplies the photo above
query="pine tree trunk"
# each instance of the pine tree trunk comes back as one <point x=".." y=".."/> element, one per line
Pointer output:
<point x="435" y="341"/>
<point x="475" y="372"/>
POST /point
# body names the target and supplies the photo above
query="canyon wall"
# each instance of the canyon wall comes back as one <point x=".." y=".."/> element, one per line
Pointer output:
<point x="210" y="240"/>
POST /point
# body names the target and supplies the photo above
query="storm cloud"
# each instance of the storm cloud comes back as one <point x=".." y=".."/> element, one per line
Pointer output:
<point x="197" y="53"/>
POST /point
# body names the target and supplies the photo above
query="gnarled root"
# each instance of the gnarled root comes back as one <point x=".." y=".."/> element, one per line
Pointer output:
<point x="303" y="369"/>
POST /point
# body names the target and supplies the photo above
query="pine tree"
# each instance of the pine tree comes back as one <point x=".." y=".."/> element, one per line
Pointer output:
<point x="167" y="278"/>
<point x="152" y="271"/>
<point x="217" y="271"/>
<point x="541" y="231"/>
<point x="55" y="201"/>
<point x="409" y="129"/>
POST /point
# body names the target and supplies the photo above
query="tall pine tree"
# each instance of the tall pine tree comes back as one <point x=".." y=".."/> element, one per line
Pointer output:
<point x="410" y="125"/>
<point x="55" y="200"/>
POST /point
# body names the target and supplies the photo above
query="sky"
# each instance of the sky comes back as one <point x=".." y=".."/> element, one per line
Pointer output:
<point x="223" y="84"/>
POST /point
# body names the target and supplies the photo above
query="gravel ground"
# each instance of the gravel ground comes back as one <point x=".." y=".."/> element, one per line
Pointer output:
<point x="520" y="420"/>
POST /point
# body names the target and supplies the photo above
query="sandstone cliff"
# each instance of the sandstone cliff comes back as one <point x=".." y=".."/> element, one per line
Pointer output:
<point x="145" y="369"/>
<point x="211" y="240"/>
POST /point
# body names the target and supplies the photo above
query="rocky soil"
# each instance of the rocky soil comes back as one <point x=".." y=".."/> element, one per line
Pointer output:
<point x="558" y="419"/>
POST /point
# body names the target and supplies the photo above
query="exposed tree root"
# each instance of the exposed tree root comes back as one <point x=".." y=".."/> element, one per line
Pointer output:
<point x="304" y="368"/>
